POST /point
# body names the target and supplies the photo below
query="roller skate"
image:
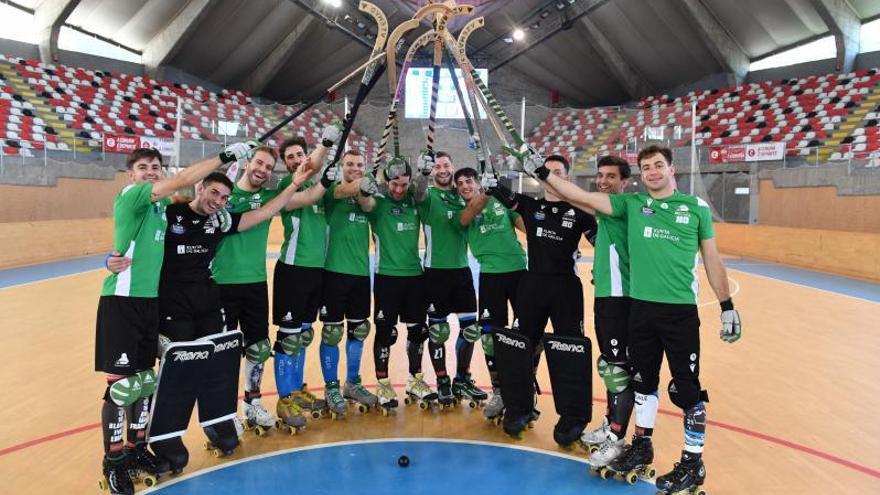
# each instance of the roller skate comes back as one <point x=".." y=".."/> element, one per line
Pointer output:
<point x="356" y="393"/>
<point x="494" y="409"/>
<point x="445" y="397"/>
<point x="173" y="452"/>
<point x="386" y="396"/>
<point x="257" y="418"/>
<point x="464" y="389"/>
<point x="144" y="466"/>
<point x="290" y="416"/>
<point x="568" y="431"/>
<point x="516" y="423"/>
<point x="605" y="453"/>
<point x="116" y="477"/>
<point x="686" y="478"/>
<point x="335" y="401"/>
<point x="307" y="402"/>
<point x="418" y="392"/>
<point x="223" y="437"/>
<point x="591" y="440"/>
<point x="634" y="463"/>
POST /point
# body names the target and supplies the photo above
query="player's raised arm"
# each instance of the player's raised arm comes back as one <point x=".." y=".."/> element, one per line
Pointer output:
<point x="198" y="171"/>
<point x="256" y="217"/>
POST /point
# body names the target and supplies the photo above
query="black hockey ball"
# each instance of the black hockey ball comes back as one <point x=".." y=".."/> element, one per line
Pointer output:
<point x="403" y="461"/>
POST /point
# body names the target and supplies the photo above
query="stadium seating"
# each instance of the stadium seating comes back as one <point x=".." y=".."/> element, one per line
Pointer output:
<point x="88" y="103"/>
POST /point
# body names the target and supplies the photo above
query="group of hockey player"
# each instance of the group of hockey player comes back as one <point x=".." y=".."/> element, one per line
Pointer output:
<point x="189" y="286"/>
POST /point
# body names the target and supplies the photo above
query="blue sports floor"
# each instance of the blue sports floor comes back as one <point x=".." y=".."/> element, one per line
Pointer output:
<point x="437" y="467"/>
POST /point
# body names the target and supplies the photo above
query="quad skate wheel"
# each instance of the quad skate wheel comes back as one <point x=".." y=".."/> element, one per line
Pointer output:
<point x="150" y="480"/>
<point x="632" y="477"/>
<point x="423" y="405"/>
<point x="292" y="431"/>
<point x="593" y="449"/>
<point x="261" y="431"/>
<point x="279" y="424"/>
<point x="531" y="424"/>
<point x="362" y="408"/>
<point x="384" y="412"/>
<point x="407" y="400"/>
<point x="497" y="420"/>
<point x="605" y="473"/>
<point x="473" y="404"/>
<point x="316" y="414"/>
<point x="208" y="445"/>
<point x="699" y="491"/>
<point x="217" y="453"/>
<point x="102" y="484"/>
<point x="650" y="472"/>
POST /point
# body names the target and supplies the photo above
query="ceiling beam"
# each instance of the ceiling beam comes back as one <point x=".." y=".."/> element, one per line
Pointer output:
<point x="635" y="85"/>
<point x="845" y="25"/>
<point x="257" y="80"/>
<point x="167" y="42"/>
<point x="49" y="16"/>
<point x="720" y="43"/>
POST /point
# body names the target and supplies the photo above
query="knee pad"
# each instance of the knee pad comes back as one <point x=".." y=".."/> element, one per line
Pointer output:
<point x="417" y="333"/>
<point x="359" y="330"/>
<point x="307" y="336"/>
<point x="471" y="332"/>
<point x="290" y="341"/>
<point x="331" y="334"/>
<point x="148" y="382"/>
<point x="686" y="394"/>
<point x="439" y="332"/>
<point x="258" y="352"/>
<point x="386" y="336"/>
<point x="615" y="375"/>
<point x="125" y="391"/>
<point x="488" y="344"/>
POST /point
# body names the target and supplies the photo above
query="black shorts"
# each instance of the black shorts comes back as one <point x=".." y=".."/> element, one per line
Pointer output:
<point x="345" y="297"/>
<point x="399" y="298"/>
<point x="189" y="310"/>
<point x="658" y="328"/>
<point x="496" y="291"/>
<point x="247" y="307"/>
<point x="559" y="298"/>
<point x="449" y="291"/>
<point x="126" y="334"/>
<point x="296" y="294"/>
<point x="611" y="319"/>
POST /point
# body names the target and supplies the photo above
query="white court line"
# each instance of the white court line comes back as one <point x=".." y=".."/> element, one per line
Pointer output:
<point x="163" y="484"/>
<point x="735" y="292"/>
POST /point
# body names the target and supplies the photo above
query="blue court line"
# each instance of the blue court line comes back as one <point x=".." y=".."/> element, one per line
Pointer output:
<point x="831" y="283"/>
<point x="437" y="467"/>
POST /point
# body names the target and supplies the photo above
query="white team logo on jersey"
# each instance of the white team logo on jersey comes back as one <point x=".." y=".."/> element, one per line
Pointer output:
<point x="431" y="308"/>
<point x="486" y="314"/>
<point x="122" y="361"/>
<point x="380" y="315"/>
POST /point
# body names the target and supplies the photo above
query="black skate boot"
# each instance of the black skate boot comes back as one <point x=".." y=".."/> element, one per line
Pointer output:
<point x="568" y="430"/>
<point x="222" y="438"/>
<point x="173" y="452"/>
<point x="445" y="397"/>
<point x="515" y="423"/>
<point x="634" y="463"/>
<point x="116" y="477"/>
<point x="686" y="478"/>
<point x="145" y="466"/>
<point x="464" y="389"/>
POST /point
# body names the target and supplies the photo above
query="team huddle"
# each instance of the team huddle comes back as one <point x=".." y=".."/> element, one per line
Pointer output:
<point x="189" y="286"/>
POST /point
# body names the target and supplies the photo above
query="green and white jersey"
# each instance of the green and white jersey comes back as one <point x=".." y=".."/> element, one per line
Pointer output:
<point x="305" y="232"/>
<point x="139" y="234"/>
<point x="664" y="244"/>
<point x="241" y="258"/>
<point x="611" y="258"/>
<point x="396" y="236"/>
<point x="445" y="238"/>
<point x="493" y="239"/>
<point x="348" y="241"/>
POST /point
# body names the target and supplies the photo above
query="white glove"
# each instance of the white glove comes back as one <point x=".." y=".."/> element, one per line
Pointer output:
<point x="238" y="151"/>
<point x="221" y="218"/>
<point x="369" y="186"/>
<point x="731" y="328"/>
<point x="488" y="181"/>
<point x="331" y="133"/>
<point x="426" y="163"/>
<point x="330" y="175"/>
<point x="532" y="161"/>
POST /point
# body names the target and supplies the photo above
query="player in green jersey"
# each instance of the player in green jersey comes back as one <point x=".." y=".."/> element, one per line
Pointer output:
<point x="128" y="315"/>
<point x="667" y="230"/>
<point x="240" y="271"/>
<point x="346" y="295"/>
<point x="399" y="293"/>
<point x="493" y="242"/>
<point x="449" y="283"/>
<point x="611" y="317"/>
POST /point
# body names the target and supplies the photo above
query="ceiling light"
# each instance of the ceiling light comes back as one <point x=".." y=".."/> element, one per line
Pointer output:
<point x="518" y="34"/>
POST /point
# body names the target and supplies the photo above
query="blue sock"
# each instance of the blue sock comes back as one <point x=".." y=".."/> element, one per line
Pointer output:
<point x="299" y="362"/>
<point x="353" y="350"/>
<point x="284" y="372"/>
<point x="464" y="350"/>
<point x="329" y="362"/>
